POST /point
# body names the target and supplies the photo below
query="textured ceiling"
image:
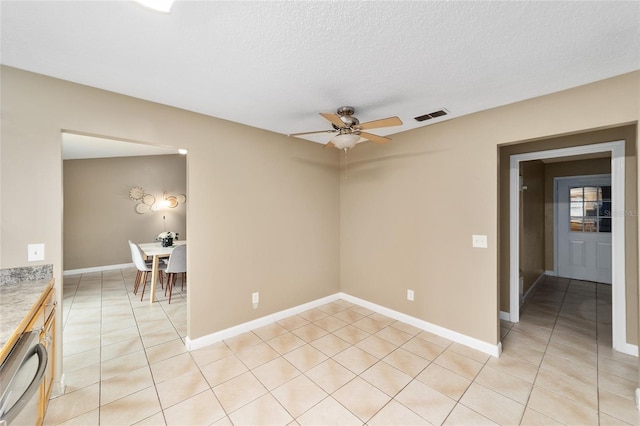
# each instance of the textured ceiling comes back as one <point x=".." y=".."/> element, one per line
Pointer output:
<point x="276" y="65"/>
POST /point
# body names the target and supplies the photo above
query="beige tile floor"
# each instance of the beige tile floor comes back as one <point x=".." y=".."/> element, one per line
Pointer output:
<point x="125" y="363"/>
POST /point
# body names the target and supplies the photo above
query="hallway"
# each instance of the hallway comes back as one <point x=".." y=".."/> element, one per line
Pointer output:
<point x="566" y="330"/>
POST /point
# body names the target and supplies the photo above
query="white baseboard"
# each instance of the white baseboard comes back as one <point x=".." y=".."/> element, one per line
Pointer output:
<point x="550" y="273"/>
<point x="200" y="342"/>
<point x="505" y="316"/>
<point x="97" y="269"/>
<point x="218" y="336"/>
<point x="638" y="398"/>
<point x="628" y="348"/>
<point x="482" y="346"/>
<point x="534" y="285"/>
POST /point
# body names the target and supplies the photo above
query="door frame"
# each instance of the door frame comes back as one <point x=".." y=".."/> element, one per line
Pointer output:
<point x="556" y="221"/>
<point x="618" y="306"/>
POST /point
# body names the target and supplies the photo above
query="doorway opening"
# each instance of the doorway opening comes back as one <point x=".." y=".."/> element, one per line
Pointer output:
<point x="617" y="151"/>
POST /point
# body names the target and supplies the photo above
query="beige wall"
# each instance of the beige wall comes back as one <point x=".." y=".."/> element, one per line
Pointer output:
<point x="271" y="214"/>
<point x="99" y="213"/>
<point x="409" y="208"/>
<point x="262" y="210"/>
<point x="532" y="223"/>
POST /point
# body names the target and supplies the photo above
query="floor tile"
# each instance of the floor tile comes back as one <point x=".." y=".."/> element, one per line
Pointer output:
<point x="275" y="373"/>
<point x="239" y="391"/>
<point x="459" y="364"/>
<point x="618" y="407"/>
<point x="462" y="415"/>
<point x="211" y="353"/>
<point x="569" y="387"/>
<point x="299" y="395"/>
<point x="222" y="370"/>
<point x="376" y="346"/>
<point x="117" y="387"/>
<point x="505" y="384"/>
<point x="286" y="343"/>
<point x="444" y="381"/>
<point x="426" y="402"/>
<point x="173" y="367"/>
<point x="305" y="357"/>
<point x="330" y="375"/>
<point x="309" y="332"/>
<point x="263" y="411"/>
<point x="312" y="315"/>
<point x="73" y="404"/>
<point x="423" y="348"/>
<point x="123" y="364"/>
<point x="388" y="379"/>
<point x="201" y="409"/>
<point x="328" y="412"/>
<point x="351" y="334"/>
<point x="355" y="359"/>
<point x="407" y="362"/>
<point x="270" y="331"/>
<point x="131" y="408"/>
<point x="395" y="413"/>
<point x="560" y="408"/>
<point x="257" y="355"/>
<point x="165" y="350"/>
<point x="492" y="405"/>
<point x="180" y="388"/>
<point x="533" y="418"/>
<point x="330" y="323"/>
<point x="293" y="322"/>
<point x="243" y="341"/>
<point x="361" y="398"/>
<point x="330" y="345"/>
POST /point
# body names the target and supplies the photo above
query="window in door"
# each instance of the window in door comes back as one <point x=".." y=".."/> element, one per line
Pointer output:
<point x="590" y="208"/>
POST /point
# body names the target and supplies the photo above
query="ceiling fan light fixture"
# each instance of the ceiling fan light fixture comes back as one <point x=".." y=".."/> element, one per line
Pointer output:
<point x="345" y="140"/>
<point x="158" y="5"/>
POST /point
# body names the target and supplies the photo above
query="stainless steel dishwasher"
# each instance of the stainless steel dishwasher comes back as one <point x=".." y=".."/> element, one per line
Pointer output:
<point x="20" y="378"/>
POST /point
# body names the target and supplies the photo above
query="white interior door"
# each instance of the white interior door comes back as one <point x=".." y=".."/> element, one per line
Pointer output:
<point x="584" y="228"/>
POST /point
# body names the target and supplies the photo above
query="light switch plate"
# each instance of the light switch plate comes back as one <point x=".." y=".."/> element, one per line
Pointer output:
<point x="479" y="241"/>
<point x="35" y="252"/>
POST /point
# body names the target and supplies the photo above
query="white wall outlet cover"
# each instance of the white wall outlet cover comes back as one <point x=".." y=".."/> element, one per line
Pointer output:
<point x="255" y="298"/>
<point x="35" y="252"/>
<point x="479" y="241"/>
<point x="410" y="295"/>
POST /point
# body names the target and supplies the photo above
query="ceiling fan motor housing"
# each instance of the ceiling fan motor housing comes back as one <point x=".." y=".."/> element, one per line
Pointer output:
<point x="346" y="115"/>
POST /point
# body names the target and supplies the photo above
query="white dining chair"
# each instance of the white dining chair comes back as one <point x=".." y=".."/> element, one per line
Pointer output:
<point x="143" y="269"/>
<point x="177" y="264"/>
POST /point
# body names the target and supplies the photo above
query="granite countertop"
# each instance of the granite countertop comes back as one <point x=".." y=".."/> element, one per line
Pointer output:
<point x="16" y="301"/>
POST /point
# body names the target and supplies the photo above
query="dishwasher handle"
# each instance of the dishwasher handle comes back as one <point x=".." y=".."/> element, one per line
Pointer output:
<point x="33" y="387"/>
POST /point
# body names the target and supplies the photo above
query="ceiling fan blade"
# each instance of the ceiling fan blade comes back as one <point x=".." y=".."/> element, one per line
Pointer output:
<point x="333" y="119"/>
<point x="384" y="122"/>
<point x="329" y="145"/>
<point x="374" y="138"/>
<point x="310" y="133"/>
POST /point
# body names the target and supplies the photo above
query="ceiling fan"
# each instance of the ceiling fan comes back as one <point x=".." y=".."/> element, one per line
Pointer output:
<point x="349" y="130"/>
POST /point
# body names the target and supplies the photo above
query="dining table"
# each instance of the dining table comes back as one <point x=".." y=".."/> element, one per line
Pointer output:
<point x="155" y="251"/>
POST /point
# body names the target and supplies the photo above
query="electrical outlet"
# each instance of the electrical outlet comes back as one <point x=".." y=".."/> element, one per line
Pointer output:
<point x="255" y="298"/>
<point x="479" y="241"/>
<point x="35" y="252"/>
<point x="410" y="295"/>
